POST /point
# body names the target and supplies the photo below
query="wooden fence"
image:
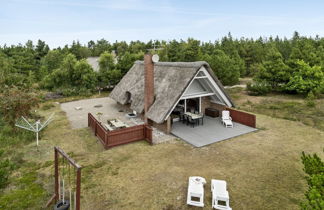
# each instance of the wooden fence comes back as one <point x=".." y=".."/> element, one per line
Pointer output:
<point x="121" y="136"/>
<point x="242" y="117"/>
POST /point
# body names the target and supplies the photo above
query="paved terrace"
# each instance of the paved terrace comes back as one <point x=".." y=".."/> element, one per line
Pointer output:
<point x="212" y="131"/>
<point x="109" y="109"/>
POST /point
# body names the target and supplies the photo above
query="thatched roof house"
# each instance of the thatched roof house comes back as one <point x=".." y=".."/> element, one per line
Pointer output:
<point x="174" y="82"/>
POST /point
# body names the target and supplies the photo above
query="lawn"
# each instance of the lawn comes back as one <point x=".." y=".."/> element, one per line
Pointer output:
<point x="263" y="169"/>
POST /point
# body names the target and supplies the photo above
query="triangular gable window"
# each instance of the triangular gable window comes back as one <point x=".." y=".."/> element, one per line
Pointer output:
<point x="201" y="74"/>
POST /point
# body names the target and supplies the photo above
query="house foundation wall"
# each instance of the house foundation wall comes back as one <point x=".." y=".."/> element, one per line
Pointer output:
<point x="162" y="126"/>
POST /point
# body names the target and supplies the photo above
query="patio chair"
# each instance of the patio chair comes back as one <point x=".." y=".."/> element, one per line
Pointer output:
<point x="195" y="195"/>
<point x="191" y="121"/>
<point x="226" y="119"/>
<point x="220" y="197"/>
<point x="185" y="119"/>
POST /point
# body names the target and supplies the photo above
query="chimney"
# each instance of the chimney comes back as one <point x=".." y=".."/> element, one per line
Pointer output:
<point x="148" y="84"/>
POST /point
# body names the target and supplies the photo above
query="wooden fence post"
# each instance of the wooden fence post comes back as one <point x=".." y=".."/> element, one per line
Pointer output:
<point x="56" y="175"/>
<point x="148" y="134"/>
<point x="95" y="131"/>
<point x="106" y="139"/>
<point x="78" y="189"/>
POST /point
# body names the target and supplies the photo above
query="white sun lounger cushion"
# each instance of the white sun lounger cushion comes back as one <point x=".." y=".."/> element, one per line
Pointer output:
<point x="220" y="193"/>
<point x="226" y="119"/>
<point x="195" y="195"/>
<point x="228" y="123"/>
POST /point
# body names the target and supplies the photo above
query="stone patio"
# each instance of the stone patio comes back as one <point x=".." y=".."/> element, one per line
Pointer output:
<point x="212" y="131"/>
<point x="110" y="110"/>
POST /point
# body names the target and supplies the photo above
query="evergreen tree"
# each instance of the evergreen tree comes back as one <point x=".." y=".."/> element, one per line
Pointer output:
<point x="192" y="50"/>
<point x="174" y="51"/>
<point x="127" y="61"/>
<point x="306" y="79"/>
<point x="275" y="71"/>
<point x="224" y="67"/>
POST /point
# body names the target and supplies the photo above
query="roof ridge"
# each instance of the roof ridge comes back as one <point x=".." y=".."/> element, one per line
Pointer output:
<point x="178" y="64"/>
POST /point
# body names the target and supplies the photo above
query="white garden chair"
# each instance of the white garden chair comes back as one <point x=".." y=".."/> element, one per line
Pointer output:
<point x="220" y="198"/>
<point x="195" y="195"/>
<point x="226" y="119"/>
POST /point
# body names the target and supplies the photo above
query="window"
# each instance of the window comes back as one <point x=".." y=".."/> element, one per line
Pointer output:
<point x="128" y="97"/>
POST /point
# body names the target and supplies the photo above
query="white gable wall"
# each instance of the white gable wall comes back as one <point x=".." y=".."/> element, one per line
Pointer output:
<point x="203" y="81"/>
<point x="204" y="85"/>
<point x="195" y="88"/>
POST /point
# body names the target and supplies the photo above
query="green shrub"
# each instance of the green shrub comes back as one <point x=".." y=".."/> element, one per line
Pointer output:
<point x="10" y="137"/>
<point x="48" y="106"/>
<point x="72" y="76"/>
<point x="5" y="169"/>
<point x="4" y="172"/>
<point x="314" y="167"/>
<point x="72" y="91"/>
<point x="310" y="100"/>
<point x="15" y="103"/>
<point x="258" y="88"/>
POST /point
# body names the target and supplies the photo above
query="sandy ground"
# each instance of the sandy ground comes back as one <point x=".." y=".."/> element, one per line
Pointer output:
<point x="109" y="109"/>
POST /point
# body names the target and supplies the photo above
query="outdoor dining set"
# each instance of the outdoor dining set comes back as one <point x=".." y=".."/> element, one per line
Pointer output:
<point x="192" y="118"/>
<point x="115" y="124"/>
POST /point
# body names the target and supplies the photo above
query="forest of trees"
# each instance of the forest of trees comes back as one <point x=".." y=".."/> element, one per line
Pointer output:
<point x="293" y="65"/>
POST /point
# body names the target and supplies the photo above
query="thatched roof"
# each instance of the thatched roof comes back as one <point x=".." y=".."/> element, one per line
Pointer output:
<point x="170" y="81"/>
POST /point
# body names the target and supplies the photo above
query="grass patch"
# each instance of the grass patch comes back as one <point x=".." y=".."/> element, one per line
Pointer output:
<point x="47" y="106"/>
<point x="80" y="97"/>
<point x="289" y="110"/>
<point x="235" y="93"/>
<point x="262" y="169"/>
<point x="22" y="188"/>
<point x="26" y="191"/>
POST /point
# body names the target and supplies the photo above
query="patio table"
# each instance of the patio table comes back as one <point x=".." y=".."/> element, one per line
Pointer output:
<point x="195" y="117"/>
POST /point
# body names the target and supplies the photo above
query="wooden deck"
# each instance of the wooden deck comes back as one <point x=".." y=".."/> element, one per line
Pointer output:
<point x="212" y="131"/>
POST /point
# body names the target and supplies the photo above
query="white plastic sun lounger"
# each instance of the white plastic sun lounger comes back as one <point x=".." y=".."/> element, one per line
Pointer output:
<point x="220" y="199"/>
<point x="226" y="119"/>
<point x="195" y="195"/>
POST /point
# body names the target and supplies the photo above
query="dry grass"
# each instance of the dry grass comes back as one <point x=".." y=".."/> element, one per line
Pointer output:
<point x="290" y="107"/>
<point x="263" y="169"/>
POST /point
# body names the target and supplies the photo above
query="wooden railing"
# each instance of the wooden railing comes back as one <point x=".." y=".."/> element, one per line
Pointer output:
<point x="121" y="136"/>
<point x="242" y="117"/>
